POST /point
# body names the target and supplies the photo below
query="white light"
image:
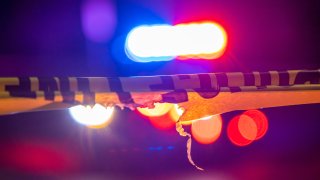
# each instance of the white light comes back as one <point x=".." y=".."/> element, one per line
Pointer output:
<point x="98" y="115"/>
<point x="179" y="109"/>
<point x="165" y="42"/>
<point x="205" y="118"/>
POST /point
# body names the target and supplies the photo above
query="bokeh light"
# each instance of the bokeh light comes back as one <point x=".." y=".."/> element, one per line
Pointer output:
<point x="159" y="116"/>
<point x="163" y="116"/>
<point x="207" y="130"/>
<point x="159" y="110"/>
<point x="163" y="122"/>
<point x="260" y="120"/>
<point x="97" y="116"/>
<point x="247" y="127"/>
<point x="98" y="19"/>
<point x="205" y="40"/>
<point x="234" y="133"/>
<point x="39" y="157"/>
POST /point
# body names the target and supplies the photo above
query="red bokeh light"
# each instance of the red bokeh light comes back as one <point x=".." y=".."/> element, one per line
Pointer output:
<point x="234" y="134"/>
<point x="261" y="121"/>
<point x="38" y="157"/>
<point x="160" y="116"/>
<point x="163" y="122"/>
<point x="247" y="127"/>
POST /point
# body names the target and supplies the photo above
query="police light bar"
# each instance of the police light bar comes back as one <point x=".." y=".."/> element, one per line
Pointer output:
<point x="183" y="41"/>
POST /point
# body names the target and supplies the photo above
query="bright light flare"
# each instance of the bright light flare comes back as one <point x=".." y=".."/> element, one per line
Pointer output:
<point x="165" y="42"/>
<point x="97" y="116"/>
<point x="207" y="130"/>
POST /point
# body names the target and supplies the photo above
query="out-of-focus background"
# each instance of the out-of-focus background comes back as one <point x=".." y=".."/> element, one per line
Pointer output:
<point x="86" y="38"/>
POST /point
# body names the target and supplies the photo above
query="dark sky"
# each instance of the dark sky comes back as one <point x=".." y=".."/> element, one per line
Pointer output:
<point x="48" y="38"/>
<point x="263" y="35"/>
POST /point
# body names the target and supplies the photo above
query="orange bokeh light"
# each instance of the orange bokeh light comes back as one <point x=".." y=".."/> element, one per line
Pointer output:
<point x="161" y="115"/>
<point x="261" y="121"/>
<point x="207" y="130"/>
<point x="247" y="127"/>
<point x="160" y="109"/>
<point x="163" y="122"/>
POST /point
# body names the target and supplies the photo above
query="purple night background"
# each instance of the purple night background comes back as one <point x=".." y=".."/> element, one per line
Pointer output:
<point x="86" y="38"/>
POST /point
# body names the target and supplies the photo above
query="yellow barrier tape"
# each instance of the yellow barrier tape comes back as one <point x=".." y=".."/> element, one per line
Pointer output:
<point x="183" y="133"/>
